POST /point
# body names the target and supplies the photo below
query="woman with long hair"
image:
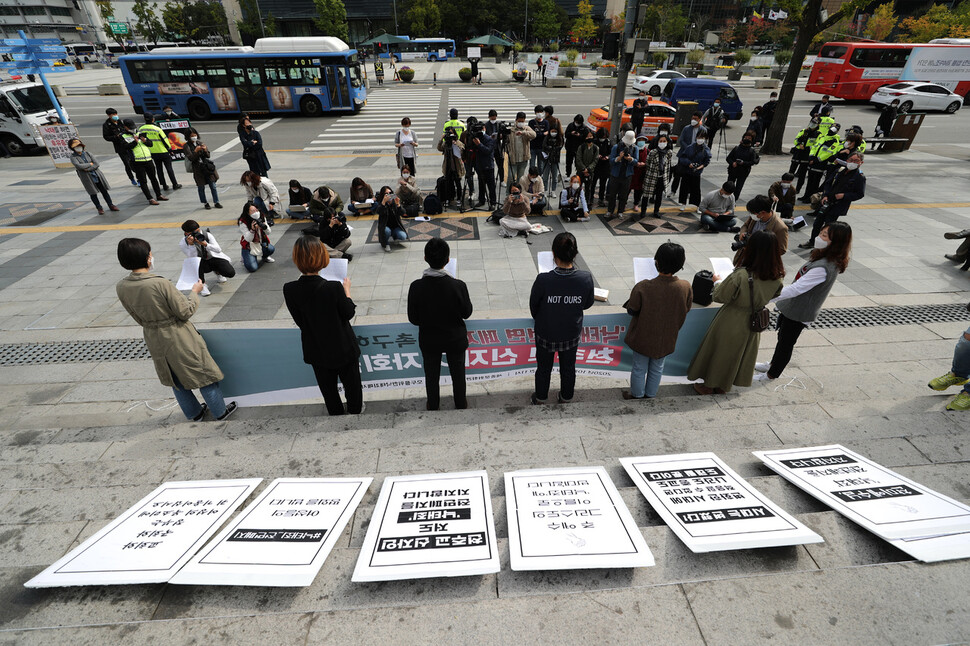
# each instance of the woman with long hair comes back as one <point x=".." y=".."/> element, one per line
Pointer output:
<point x="255" y="237"/>
<point x="799" y="303"/>
<point x="203" y="169"/>
<point x="406" y="142"/>
<point x="727" y="355"/>
<point x="360" y="193"/>
<point x="252" y="143"/>
<point x="262" y="192"/>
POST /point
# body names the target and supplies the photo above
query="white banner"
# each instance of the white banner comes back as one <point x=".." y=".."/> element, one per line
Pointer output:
<point x="430" y="525"/>
<point x="56" y="137"/>
<point x="937" y="64"/>
<point x="710" y="507"/>
<point x="882" y="501"/>
<point x="552" y="68"/>
<point x="568" y="519"/>
<point x="150" y="542"/>
<point x="283" y="538"/>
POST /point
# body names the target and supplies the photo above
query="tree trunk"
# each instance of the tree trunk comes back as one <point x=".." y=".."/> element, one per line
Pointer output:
<point x="807" y="29"/>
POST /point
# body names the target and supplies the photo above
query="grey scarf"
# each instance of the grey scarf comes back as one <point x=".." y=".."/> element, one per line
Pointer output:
<point x="435" y="273"/>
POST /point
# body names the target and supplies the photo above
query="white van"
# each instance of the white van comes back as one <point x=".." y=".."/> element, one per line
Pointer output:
<point x="24" y="105"/>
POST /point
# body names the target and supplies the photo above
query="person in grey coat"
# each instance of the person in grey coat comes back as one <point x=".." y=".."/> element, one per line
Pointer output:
<point x="88" y="171"/>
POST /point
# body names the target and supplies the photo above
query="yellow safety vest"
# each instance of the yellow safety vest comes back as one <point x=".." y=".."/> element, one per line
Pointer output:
<point x="157" y="138"/>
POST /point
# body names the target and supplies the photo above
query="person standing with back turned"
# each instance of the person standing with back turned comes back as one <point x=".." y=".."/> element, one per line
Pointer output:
<point x="438" y="305"/>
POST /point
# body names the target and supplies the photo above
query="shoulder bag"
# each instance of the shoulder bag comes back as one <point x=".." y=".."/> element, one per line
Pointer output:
<point x="761" y="319"/>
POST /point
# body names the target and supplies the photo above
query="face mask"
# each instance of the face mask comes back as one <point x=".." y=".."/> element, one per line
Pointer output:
<point x="492" y="119"/>
<point x="577" y="123"/>
<point x="717" y="105"/>
<point x="78" y="149"/>
<point x="151" y="263"/>
<point x="852" y="165"/>
<point x="538" y="115"/>
<point x="194" y="138"/>
<point x="662" y="145"/>
<point x="520" y="124"/>
<point x="515" y="195"/>
<point x="406" y="128"/>
<point x="832" y="131"/>
<point x="786" y="185"/>
<point x="575" y="186"/>
<point x="701" y="142"/>
<point x="114" y="117"/>
<point x="641" y="144"/>
<point x="754" y="118"/>
<point x="821" y="244"/>
<point x="295" y="190"/>
<point x="405" y="175"/>
<point x="693" y="122"/>
<point x="168" y="113"/>
<point x="254" y="214"/>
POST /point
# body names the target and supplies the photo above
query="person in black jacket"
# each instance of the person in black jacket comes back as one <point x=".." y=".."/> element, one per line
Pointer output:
<point x="439" y="304"/>
<point x="484" y="147"/>
<point x="113" y="130"/>
<point x="739" y="161"/>
<point x="557" y="302"/>
<point x="886" y="120"/>
<point x="323" y="310"/>
<point x="389" y="214"/>
<point x="602" y="174"/>
<point x="299" y="196"/>
<point x="768" y="111"/>
<point x="838" y="192"/>
<point x="638" y="112"/>
<point x="575" y="136"/>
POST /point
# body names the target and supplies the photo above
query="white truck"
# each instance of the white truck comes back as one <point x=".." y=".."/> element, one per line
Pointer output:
<point x="23" y="106"/>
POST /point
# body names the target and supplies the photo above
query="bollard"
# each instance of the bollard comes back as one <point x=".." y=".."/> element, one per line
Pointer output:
<point x="435" y="79"/>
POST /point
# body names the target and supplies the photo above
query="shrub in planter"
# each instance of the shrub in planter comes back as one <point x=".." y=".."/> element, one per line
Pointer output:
<point x="518" y="47"/>
<point x="695" y="57"/>
<point x="465" y="74"/>
<point x="572" y="55"/>
<point x="406" y="74"/>
<point x="594" y="65"/>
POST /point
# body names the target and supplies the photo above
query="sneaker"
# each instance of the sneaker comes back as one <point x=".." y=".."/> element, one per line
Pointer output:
<point x="762" y="366"/>
<point x="348" y="256"/>
<point x="218" y="206"/>
<point x="230" y="409"/>
<point x="761" y="377"/>
<point x="960" y="402"/>
<point x="198" y="418"/>
<point x="221" y="279"/>
<point x="683" y="207"/>
<point x="134" y="182"/>
<point x="206" y="205"/>
<point x="387" y="248"/>
<point x="535" y="400"/>
<point x="269" y="259"/>
<point x="946" y="381"/>
<point x="205" y="291"/>
<point x="582" y="219"/>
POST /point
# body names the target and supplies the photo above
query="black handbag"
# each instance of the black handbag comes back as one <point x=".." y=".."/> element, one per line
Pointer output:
<point x="703" y="287"/>
<point x="761" y="319"/>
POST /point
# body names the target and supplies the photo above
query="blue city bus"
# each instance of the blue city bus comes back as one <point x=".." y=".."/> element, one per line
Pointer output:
<point x="429" y="49"/>
<point x="310" y="76"/>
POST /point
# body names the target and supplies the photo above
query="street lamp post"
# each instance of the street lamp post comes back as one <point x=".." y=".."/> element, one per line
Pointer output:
<point x="525" y="30"/>
<point x="396" y="30"/>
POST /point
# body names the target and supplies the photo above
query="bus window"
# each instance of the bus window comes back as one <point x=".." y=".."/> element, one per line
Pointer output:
<point x="332" y="86"/>
<point x="833" y="51"/>
<point x="879" y="57"/>
<point x="355" y="75"/>
<point x="311" y="75"/>
<point x="216" y="76"/>
<point x="237" y="76"/>
<point x="255" y="75"/>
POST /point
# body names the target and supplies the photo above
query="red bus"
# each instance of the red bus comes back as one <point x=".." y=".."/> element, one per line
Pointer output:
<point x="855" y="71"/>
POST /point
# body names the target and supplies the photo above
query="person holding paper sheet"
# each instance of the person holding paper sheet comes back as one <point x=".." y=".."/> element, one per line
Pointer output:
<point x="196" y="243"/>
<point x="659" y="308"/>
<point x="727" y="355"/>
<point x="438" y="304"/>
<point x="799" y="303"/>
<point x="557" y="302"/>
<point x="360" y="193"/>
<point x="323" y="309"/>
<point x="182" y="360"/>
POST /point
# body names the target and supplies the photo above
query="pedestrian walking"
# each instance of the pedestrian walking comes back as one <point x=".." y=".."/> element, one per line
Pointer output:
<point x="182" y="360"/>
<point x="204" y="170"/>
<point x="438" y="305"/>
<point x="88" y="171"/>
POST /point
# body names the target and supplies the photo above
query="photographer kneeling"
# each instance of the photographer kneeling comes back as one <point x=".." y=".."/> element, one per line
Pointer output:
<point x="334" y="234"/>
<point x="255" y="237"/>
<point x="762" y="219"/>
<point x="389" y="224"/>
<point x="196" y="243"/>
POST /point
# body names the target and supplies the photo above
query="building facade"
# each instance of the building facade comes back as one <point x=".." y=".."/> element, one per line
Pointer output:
<point x="70" y="20"/>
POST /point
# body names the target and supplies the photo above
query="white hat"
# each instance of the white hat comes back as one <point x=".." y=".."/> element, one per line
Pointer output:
<point x="629" y="137"/>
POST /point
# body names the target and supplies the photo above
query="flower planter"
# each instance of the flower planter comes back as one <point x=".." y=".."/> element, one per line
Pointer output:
<point x="605" y="71"/>
<point x="406" y="75"/>
<point x="778" y="74"/>
<point x="606" y="82"/>
<point x="734" y="75"/>
<point x="561" y="81"/>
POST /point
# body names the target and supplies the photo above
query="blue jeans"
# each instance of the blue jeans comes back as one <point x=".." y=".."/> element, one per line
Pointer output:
<point x="397" y="233"/>
<point x="645" y="375"/>
<point x="249" y="260"/>
<point x="961" y="360"/>
<point x="212" y="394"/>
<point x="212" y="188"/>
<point x="721" y="223"/>
<point x="535" y="159"/>
<point x="550" y="175"/>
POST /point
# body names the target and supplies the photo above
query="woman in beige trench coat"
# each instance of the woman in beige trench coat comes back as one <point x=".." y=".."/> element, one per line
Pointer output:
<point x="181" y="358"/>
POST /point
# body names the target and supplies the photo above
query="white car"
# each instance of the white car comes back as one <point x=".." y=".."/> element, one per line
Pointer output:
<point x="913" y="95"/>
<point x="655" y="82"/>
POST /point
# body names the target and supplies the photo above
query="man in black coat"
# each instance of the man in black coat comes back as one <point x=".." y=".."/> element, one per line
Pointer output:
<point x="838" y="192"/>
<point x="113" y="130"/>
<point x="439" y="304"/>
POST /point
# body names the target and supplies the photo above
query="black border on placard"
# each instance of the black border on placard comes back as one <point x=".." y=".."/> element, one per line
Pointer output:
<point x="191" y="550"/>
<point x="743" y="485"/>
<point x="387" y="507"/>
<point x="248" y="511"/>
<point x="568" y="554"/>
<point x="923" y="490"/>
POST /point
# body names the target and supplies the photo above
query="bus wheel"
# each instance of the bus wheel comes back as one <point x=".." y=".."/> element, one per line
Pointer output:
<point x="13" y="145"/>
<point x="199" y="110"/>
<point x="310" y="106"/>
<point x="906" y="106"/>
<point x="953" y="107"/>
<point x="433" y="58"/>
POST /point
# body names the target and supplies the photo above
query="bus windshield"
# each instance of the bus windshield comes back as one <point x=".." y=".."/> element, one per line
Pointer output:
<point x="31" y="99"/>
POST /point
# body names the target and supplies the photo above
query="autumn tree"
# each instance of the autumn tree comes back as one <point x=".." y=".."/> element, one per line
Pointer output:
<point x="882" y="21"/>
<point x="584" y="28"/>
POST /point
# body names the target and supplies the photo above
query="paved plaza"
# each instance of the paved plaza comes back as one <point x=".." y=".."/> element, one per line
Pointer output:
<point x="84" y="436"/>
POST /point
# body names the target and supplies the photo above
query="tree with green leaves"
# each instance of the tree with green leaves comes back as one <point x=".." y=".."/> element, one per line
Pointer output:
<point x="882" y="21"/>
<point x="250" y="25"/>
<point x="107" y="12"/>
<point x="663" y="20"/>
<point x="545" y="21"/>
<point x="809" y="21"/>
<point x="331" y="18"/>
<point x="149" y="25"/>
<point x="424" y="18"/>
<point x="207" y="19"/>
<point x="174" y="17"/>
<point x="584" y="28"/>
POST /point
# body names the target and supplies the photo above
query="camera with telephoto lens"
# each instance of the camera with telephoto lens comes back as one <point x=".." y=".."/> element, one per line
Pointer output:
<point x="504" y="129"/>
<point x="738" y="243"/>
<point x="477" y="129"/>
<point x="262" y="224"/>
<point x="451" y="137"/>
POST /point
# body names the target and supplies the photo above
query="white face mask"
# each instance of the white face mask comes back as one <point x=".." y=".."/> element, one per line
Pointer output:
<point x="254" y="214"/>
<point x="701" y="142"/>
<point x="662" y="145"/>
<point x="786" y="185"/>
<point x="405" y="175"/>
<point x="492" y="119"/>
<point x="194" y="138"/>
<point x="693" y="122"/>
<point x="406" y="128"/>
<point x="852" y="165"/>
<point x="295" y="190"/>
<point x="575" y="185"/>
<point x="151" y="262"/>
<point x="821" y="244"/>
<point x="78" y="149"/>
<point x="520" y="124"/>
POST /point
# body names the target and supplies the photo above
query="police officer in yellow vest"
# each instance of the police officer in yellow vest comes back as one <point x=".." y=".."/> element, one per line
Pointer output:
<point x="827" y="145"/>
<point x="453" y="122"/>
<point x="800" y="150"/>
<point x="138" y="144"/>
<point x="158" y="142"/>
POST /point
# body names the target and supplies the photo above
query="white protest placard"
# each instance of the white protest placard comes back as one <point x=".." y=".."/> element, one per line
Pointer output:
<point x="151" y="541"/>
<point x="644" y="269"/>
<point x="190" y="273"/>
<point x="552" y="68"/>
<point x="336" y="270"/>
<point x="452" y="267"/>
<point x="283" y="538"/>
<point x="545" y="261"/>
<point x="932" y="549"/>
<point x="431" y="525"/>
<point x="474" y="52"/>
<point x="710" y="507"/>
<point x="722" y="267"/>
<point x="56" y="136"/>
<point x="882" y="501"/>
<point x="569" y="519"/>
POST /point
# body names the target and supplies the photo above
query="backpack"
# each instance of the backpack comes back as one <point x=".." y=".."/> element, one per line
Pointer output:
<point x="432" y="205"/>
<point x="703" y="287"/>
<point x="444" y="189"/>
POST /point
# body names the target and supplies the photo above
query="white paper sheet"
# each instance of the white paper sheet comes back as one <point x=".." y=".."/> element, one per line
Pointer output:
<point x="190" y="273"/>
<point x="545" y="261"/>
<point x="152" y="540"/>
<point x="335" y="270"/>
<point x="722" y="267"/>
<point x="644" y="269"/>
<point x="452" y="267"/>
